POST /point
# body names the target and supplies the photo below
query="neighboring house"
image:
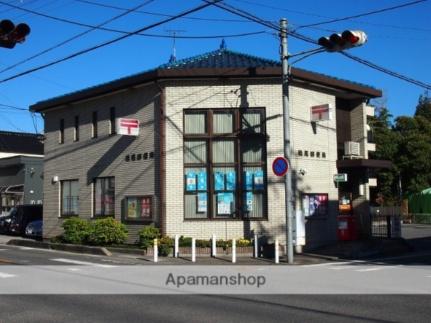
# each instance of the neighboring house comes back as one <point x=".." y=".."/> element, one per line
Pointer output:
<point x="21" y="169"/>
<point x="209" y="128"/>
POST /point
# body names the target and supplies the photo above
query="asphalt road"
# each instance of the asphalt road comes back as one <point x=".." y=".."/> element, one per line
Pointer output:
<point x="220" y="308"/>
<point x="84" y="270"/>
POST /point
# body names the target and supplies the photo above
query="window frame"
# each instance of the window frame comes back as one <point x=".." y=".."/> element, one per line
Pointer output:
<point x="95" y="215"/>
<point x="94" y="121"/>
<point x="238" y="164"/>
<point x="76" y="129"/>
<point x="126" y="219"/>
<point x="112" y="125"/>
<point x="61" y="132"/>
<point x="62" y="182"/>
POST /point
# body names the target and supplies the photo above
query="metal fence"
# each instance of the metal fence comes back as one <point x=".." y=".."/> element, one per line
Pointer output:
<point x="386" y="222"/>
<point x="418" y="218"/>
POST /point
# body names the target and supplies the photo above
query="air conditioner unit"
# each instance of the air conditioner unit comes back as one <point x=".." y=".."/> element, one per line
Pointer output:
<point x="351" y="148"/>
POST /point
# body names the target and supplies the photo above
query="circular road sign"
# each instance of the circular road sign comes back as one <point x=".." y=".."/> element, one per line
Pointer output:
<point x="280" y="166"/>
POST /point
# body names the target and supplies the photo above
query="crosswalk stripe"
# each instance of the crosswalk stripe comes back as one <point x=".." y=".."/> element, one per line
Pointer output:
<point x="6" y="275"/>
<point x="85" y="263"/>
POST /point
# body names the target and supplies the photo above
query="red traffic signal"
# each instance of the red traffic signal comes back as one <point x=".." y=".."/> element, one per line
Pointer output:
<point x="347" y="39"/>
<point x="11" y="34"/>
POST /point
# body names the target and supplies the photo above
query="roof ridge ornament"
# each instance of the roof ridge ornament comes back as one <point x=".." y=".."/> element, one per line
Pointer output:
<point x="223" y="45"/>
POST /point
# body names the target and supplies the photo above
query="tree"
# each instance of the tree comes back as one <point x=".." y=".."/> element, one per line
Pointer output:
<point x="424" y="106"/>
<point x="387" y="142"/>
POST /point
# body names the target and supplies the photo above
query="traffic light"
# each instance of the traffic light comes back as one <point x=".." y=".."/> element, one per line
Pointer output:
<point x="347" y="39"/>
<point x="11" y="34"/>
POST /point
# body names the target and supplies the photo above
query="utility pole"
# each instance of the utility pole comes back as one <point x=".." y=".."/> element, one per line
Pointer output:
<point x="286" y="125"/>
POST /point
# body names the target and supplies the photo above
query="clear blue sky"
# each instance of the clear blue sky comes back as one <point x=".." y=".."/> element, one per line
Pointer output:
<point x="399" y="40"/>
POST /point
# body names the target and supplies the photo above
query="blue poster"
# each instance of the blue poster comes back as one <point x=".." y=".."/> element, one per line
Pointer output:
<point x="258" y="180"/>
<point x="248" y="205"/>
<point x="230" y="181"/>
<point x="219" y="181"/>
<point x="202" y="181"/>
<point x="191" y="181"/>
<point x="248" y="181"/>
<point x="202" y="202"/>
<point x="225" y="203"/>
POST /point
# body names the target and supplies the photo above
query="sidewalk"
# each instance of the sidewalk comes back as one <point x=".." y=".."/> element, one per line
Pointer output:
<point x="360" y="249"/>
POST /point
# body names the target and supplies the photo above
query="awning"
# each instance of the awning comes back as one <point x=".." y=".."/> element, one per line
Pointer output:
<point x="363" y="163"/>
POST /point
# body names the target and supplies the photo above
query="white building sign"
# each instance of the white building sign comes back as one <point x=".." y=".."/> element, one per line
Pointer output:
<point x="128" y="127"/>
<point x="321" y="112"/>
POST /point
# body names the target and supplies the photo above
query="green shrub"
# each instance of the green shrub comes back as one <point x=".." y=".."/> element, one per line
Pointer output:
<point x="185" y="241"/>
<point x="165" y="245"/>
<point x="76" y="230"/>
<point x="147" y="236"/>
<point x="106" y="232"/>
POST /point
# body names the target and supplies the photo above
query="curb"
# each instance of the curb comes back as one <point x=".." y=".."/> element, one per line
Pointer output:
<point x="60" y="246"/>
<point x="314" y="255"/>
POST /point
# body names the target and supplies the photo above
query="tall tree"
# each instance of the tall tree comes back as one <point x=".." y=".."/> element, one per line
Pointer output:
<point x="424" y="106"/>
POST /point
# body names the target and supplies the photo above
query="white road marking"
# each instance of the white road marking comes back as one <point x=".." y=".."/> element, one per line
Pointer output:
<point x="85" y="263"/>
<point x="26" y="248"/>
<point x="342" y="267"/>
<point x="74" y="269"/>
<point x="6" y="275"/>
<point x="372" y="269"/>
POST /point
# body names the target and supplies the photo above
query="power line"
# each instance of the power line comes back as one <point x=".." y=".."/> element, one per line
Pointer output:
<point x="326" y="17"/>
<point x="74" y="37"/>
<point x="79" y="53"/>
<point x="99" y="27"/>
<point x="158" y="14"/>
<point x="294" y="34"/>
<point x="364" y="14"/>
<point x="385" y="70"/>
<point x="12" y="107"/>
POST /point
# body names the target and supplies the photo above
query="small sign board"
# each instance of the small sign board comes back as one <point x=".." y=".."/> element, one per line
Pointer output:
<point x="280" y="166"/>
<point x="128" y="127"/>
<point x="339" y="178"/>
<point x="321" y="112"/>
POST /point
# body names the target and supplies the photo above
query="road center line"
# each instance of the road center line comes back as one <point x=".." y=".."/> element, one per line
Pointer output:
<point x="85" y="263"/>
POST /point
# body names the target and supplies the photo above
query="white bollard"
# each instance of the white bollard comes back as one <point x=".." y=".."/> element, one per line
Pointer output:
<point x="176" y="246"/>
<point x="233" y="251"/>
<point x="193" y="249"/>
<point x="214" y="246"/>
<point x="277" y="255"/>
<point x="155" y="251"/>
<point x="256" y="247"/>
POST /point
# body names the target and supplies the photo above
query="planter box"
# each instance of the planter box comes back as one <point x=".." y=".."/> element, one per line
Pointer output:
<point x="206" y="252"/>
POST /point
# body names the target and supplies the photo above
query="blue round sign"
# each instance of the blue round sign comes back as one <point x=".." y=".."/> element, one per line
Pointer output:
<point x="280" y="166"/>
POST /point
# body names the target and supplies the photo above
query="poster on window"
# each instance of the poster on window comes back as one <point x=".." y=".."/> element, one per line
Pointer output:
<point x="248" y="205"/>
<point x="258" y="180"/>
<point x="202" y="202"/>
<point x="248" y="180"/>
<point x="315" y="204"/>
<point x="146" y="207"/>
<point x="202" y="181"/>
<point x="230" y="181"/>
<point x="132" y="207"/>
<point x="225" y="203"/>
<point x="219" y="181"/>
<point x="191" y="181"/>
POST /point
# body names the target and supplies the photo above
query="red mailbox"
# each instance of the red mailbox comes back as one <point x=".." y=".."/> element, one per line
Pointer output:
<point x="347" y="229"/>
